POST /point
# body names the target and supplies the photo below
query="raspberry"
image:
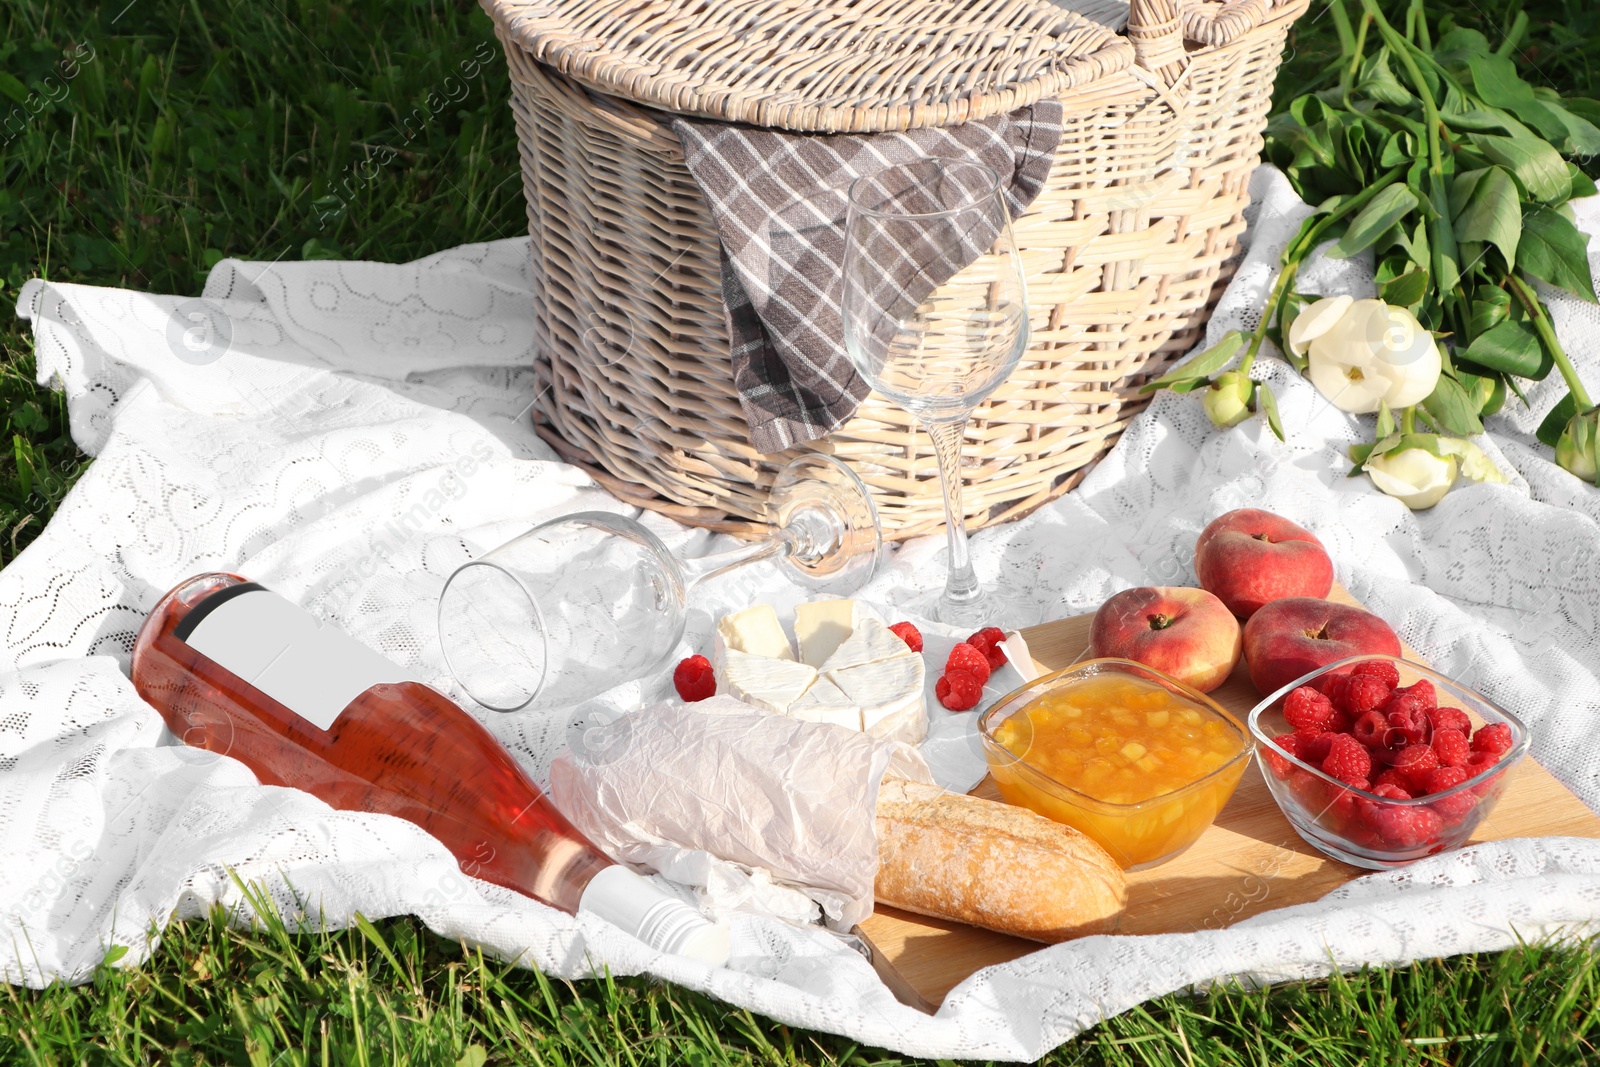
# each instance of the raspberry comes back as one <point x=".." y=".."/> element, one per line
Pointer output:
<point x="1479" y="762"/>
<point x="1332" y="686"/>
<point x="1347" y="760"/>
<point x="1363" y="693"/>
<point x="1314" y="747"/>
<point x="1450" y="719"/>
<point x="958" y="690"/>
<point x="1370" y="728"/>
<point x="1307" y="710"/>
<point x="1412" y="699"/>
<point x="694" y="679"/>
<point x="909" y="634"/>
<point x="1413" y="725"/>
<point x="987" y="641"/>
<point x="1290" y="743"/>
<point x="1441" y="778"/>
<point x="1390" y="791"/>
<point x="966" y="658"/>
<point x="1415" y="761"/>
<point x="1451" y="747"/>
<point x="1341" y="722"/>
<point x="1494" y="737"/>
<point x="1405" y="826"/>
<point x="1381" y="669"/>
<point x="1393" y="778"/>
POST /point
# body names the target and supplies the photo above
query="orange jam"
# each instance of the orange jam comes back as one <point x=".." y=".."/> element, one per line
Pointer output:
<point x="1140" y="763"/>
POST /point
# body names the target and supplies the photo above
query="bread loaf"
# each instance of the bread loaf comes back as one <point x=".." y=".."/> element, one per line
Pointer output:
<point x="993" y="865"/>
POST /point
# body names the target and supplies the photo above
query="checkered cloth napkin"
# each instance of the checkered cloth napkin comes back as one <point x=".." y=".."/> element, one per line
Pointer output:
<point x="778" y="200"/>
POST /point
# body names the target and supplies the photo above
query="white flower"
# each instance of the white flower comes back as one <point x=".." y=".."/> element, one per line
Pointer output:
<point x="1364" y="353"/>
<point x="1418" y="469"/>
<point x="1414" y="476"/>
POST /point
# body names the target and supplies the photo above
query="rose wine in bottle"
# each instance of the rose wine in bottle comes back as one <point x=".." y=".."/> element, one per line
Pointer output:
<point x="241" y="671"/>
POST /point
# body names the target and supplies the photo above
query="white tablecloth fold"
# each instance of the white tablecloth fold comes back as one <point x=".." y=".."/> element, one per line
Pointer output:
<point x="348" y="432"/>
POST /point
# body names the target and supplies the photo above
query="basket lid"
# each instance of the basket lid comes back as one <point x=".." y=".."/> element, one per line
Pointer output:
<point x="826" y="66"/>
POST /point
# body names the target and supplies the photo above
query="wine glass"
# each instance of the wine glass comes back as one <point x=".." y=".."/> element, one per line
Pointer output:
<point x="589" y="601"/>
<point x="935" y="317"/>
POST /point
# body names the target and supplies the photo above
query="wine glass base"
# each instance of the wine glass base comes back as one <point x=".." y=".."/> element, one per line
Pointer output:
<point x="827" y="513"/>
<point x="974" y="612"/>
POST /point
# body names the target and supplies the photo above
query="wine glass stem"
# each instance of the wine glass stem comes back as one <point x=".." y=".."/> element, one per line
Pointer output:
<point x="962" y="582"/>
<point x="703" y="569"/>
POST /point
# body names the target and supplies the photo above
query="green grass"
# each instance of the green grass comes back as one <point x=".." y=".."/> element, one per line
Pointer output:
<point x="393" y="993"/>
<point x="190" y="131"/>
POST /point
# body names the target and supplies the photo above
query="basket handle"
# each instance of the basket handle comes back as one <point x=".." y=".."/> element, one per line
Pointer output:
<point x="1156" y="32"/>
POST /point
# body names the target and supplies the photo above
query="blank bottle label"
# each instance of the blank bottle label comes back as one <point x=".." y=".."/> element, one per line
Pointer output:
<point x="313" y="669"/>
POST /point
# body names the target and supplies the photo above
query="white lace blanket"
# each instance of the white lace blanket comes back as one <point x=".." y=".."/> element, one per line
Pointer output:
<point x="311" y="427"/>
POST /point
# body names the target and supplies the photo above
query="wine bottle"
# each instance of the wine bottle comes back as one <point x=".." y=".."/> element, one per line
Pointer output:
<point x="239" y="670"/>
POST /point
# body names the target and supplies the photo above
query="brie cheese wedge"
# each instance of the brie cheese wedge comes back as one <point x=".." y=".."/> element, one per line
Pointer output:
<point x="754" y="631"/>
<point x="889" y="692"/>
<point x="821" y="626"/>
<point x="869" y="642"/>
<point x="764" y="681"/>
<point x="826" y="702"/>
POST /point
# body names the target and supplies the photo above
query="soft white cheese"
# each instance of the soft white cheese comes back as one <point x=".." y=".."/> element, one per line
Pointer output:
<point x="754" y="631"/>
<point x="764" y="681"/>
<point x="889" y="692"/>
<point x="821" y="626"/>
<point x="870" y="642"/>
<point x="826" y="702"/>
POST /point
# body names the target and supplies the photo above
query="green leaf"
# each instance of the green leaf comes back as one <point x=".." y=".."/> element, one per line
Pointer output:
<point x="1269" y="406"/>
<point x="1491" y="305"/>
<point x="1536" y="163"/>
<point x="1582" y="184"/>
<point x="1358" y="456"/>
<point x="1496" y="80"/>
<point x="1386" y="424"/>
<point x="1450" y="408"/>
<point x="13" y="88"/>
<point x="1407" y="290"/>
<point x="1192" y="374"/>
<point x="1382" y="211"/>
<point x="1398" y="149"/>
<point x="1549" y="431"/>
<point x="1553" y="251"/>
<point x="1513" y="347"/>
<point x="1457" y="47"/>
<point x="1378" y="81"/>
<point x="1492" y="212"/>
<point x="1485" y="120"/>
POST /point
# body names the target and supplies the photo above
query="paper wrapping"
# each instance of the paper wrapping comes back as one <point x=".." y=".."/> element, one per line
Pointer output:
<point x="723" y="797"/>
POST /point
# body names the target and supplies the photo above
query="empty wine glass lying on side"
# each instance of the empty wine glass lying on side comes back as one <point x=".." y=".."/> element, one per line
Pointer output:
<point x="589" y="601"/>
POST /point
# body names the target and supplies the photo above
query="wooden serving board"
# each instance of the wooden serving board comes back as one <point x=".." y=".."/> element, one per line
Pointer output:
<point x="1249" y="861"/>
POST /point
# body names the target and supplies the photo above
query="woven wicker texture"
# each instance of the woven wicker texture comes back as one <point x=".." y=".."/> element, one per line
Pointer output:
<point x="841" y="66"/>
<point x="1123" y="250"/>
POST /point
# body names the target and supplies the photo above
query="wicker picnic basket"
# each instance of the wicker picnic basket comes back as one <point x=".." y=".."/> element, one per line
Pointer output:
<point x="1124" y="248"/>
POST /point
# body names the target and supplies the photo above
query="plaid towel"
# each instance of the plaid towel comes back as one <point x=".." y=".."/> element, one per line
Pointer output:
<point x="778" y="200"/>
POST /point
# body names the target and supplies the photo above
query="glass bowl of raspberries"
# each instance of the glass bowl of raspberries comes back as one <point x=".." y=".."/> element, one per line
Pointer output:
<point x="1378" y="761"/>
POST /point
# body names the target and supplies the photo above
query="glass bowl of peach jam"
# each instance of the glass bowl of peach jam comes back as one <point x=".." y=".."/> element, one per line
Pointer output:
<point x="1135" y="759"/>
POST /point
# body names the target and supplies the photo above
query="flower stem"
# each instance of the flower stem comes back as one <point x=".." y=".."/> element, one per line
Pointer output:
<point x="1547" y="337"/>
<point x="1408" y="420"/>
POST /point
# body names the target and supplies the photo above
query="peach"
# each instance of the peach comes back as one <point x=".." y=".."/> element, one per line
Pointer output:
<point x="1186" y="633"/>
<point x="1251" y="557"/>
<point x="1297" y="635"/>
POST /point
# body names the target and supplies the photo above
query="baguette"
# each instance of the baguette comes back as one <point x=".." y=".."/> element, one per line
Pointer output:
<point x="992" y="865"/>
